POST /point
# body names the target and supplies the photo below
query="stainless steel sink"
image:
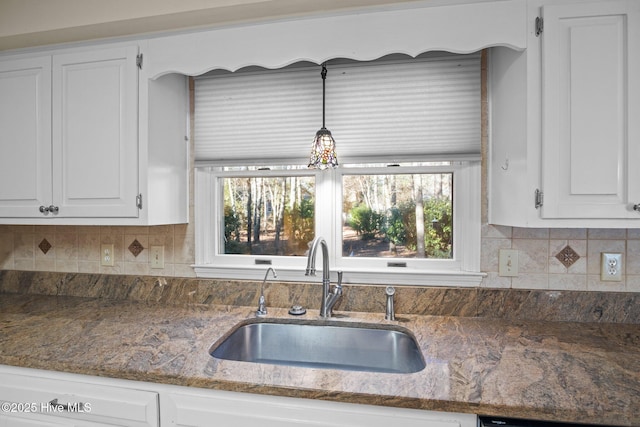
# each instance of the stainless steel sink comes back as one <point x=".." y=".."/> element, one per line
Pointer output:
<point x="352" y="347"/>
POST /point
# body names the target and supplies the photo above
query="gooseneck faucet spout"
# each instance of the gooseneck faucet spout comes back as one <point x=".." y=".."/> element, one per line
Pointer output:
<point x="262" y="307"/>
<point x="329" y="296"/>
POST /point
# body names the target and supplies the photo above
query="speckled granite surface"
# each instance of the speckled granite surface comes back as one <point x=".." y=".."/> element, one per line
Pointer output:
<point x="511" y="304"/>
<point x="584" y="372"/>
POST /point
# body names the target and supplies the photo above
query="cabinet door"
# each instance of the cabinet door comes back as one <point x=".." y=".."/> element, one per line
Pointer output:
<point x="35" y="401"/>
<point x="211" y="407"/>
<point x="591" y="96"/>
<point x="95" y="133"/>
<point x="25" y="136"/>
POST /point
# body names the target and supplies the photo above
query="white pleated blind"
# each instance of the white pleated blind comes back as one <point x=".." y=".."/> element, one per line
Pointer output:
<point x="386" y="109"/>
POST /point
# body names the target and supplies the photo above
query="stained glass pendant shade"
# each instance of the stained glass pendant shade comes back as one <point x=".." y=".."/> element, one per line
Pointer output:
<point x="323" y="150"/>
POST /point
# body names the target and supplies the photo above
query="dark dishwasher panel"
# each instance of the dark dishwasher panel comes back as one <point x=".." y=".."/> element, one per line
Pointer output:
<point x="514" y="422"/>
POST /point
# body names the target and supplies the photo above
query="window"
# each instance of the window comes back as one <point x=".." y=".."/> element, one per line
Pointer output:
<point x="403" y="207"/>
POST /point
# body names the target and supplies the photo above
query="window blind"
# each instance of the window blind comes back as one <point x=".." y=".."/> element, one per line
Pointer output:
<point x="390" y="109"/>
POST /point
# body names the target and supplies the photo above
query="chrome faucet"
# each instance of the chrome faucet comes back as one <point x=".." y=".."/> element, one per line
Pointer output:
<point x="329" y="296"/>
<point x="390" y="313"/>
<point x="262" y="307"/>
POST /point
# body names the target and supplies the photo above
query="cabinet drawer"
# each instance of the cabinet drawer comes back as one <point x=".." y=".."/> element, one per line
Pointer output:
<point x="220" y="408"/>
<point x="48" y="400"/>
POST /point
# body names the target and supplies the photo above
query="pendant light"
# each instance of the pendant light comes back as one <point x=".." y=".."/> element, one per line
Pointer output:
<point x="323" y="150"/>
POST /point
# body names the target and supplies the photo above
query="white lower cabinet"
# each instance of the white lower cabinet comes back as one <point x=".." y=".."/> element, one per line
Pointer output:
<point x="31" y="397"/>
<point x="34" y="400"/>
<point x="199" y="408"/>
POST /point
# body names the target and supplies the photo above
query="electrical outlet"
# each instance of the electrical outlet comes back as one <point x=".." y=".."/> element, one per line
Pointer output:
<point x="157" y="256"/>
<point x="508" y="262"/>
<point x="611" y="267"/>
<point x="106" y="255"/>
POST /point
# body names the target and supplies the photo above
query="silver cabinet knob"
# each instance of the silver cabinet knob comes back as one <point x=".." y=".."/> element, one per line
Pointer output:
<point x="46" y="209"/>
<point x="636" y="207"/>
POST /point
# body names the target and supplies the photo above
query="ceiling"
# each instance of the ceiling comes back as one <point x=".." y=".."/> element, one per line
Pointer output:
<point x="30" y="23"/>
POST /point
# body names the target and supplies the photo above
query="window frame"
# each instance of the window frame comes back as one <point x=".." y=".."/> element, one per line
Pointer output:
<point x="462" y="270"/>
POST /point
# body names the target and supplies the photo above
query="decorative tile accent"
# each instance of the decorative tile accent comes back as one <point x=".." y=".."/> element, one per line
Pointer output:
<point x="44" y="246"/>
<point x="135" y="247"/>
<point x="567" y="256"/>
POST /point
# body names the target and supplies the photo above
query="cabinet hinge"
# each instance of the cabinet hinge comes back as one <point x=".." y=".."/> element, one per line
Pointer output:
<point x="139" y="61"/>
<point x="539" y="26"/>
<point x="139" y="201"/>
<point x="539" y="198"/>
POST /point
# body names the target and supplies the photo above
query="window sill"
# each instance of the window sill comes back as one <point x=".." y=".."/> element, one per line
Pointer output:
<point x="411" y="277"/>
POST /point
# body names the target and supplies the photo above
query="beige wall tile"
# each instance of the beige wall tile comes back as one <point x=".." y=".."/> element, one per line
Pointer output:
<point x="491" y="252"/>
<point x="596" y="247"/>
<point x="569" y="282"/>
<point x="607" y="233"/>
<point x="530" y="233"/>
<point x="89" y="246"/>
<point x="533" y="255"/>
<point x="633" y="257"/>
<point x="530" y="281"/>
<point x="78" y="249"/>
<point x="595" y="284"/>
<point x="66" y="246"/>
<point x="568" y="233"/>
<point x="89" y="267"/>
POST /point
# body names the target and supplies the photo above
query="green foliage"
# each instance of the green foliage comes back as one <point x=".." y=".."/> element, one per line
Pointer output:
<point x="299" y="223"/>
<point x="232" y="224"/>
<point x="394" y="226"/>
<point x="400" y="227"/>
<point x="439" y="233"/>
<point x="365" y="221"/>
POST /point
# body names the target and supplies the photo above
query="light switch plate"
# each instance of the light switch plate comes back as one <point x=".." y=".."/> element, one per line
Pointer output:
<point x="106" y="255"/>
<point x="157" y="256"/>
<point x="508" y="263"/>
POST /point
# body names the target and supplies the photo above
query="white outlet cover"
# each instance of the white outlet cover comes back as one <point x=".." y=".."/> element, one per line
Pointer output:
<point x="611" y="267"/>
<point x="106" y="255"/>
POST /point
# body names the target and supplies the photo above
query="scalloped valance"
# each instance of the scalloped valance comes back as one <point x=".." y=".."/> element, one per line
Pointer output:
<point x="411" y="30"/>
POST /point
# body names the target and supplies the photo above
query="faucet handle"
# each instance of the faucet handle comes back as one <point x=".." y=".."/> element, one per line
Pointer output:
<point x="262" y="309"/>
<point x="339" y="279"/>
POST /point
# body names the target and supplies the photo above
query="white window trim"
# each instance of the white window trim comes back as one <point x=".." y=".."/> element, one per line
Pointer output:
<point x="464" y="270"/>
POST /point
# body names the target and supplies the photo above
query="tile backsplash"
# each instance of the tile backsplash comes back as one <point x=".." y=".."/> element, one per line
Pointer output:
<point x="77" y="249"/>
<point x="539" y="268"/>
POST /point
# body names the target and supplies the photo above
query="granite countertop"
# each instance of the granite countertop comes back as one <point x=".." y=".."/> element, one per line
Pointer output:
<point x="563" y="371"/>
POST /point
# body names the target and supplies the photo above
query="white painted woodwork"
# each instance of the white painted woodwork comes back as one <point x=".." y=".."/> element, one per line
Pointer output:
<point x="589" y="145"/>
<point x="107" y="405"/>
<point x="25" y="135"/>
<point x="95" y="150"/>
<point x="164" y="147"/>
<point x="93" y="133"/>
<point x="362" y="35"/>
<point x="563" y="119"/>
<point x="197" y="408"/>
<point x="136" y="403"/>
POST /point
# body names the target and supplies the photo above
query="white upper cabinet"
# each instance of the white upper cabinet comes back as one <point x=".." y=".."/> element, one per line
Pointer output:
<point x="86" y="138"/>
<point x="565" y="136"/>
<point x="25" y="136"/>
<point x="590" y="143"/>
<point x="95" y="133"/>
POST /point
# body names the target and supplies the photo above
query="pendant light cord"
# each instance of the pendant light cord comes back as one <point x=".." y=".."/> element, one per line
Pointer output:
<point x="323" y="73"/>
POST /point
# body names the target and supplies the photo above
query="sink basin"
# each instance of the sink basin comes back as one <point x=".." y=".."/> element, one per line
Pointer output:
<point x="375" y="348"/>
